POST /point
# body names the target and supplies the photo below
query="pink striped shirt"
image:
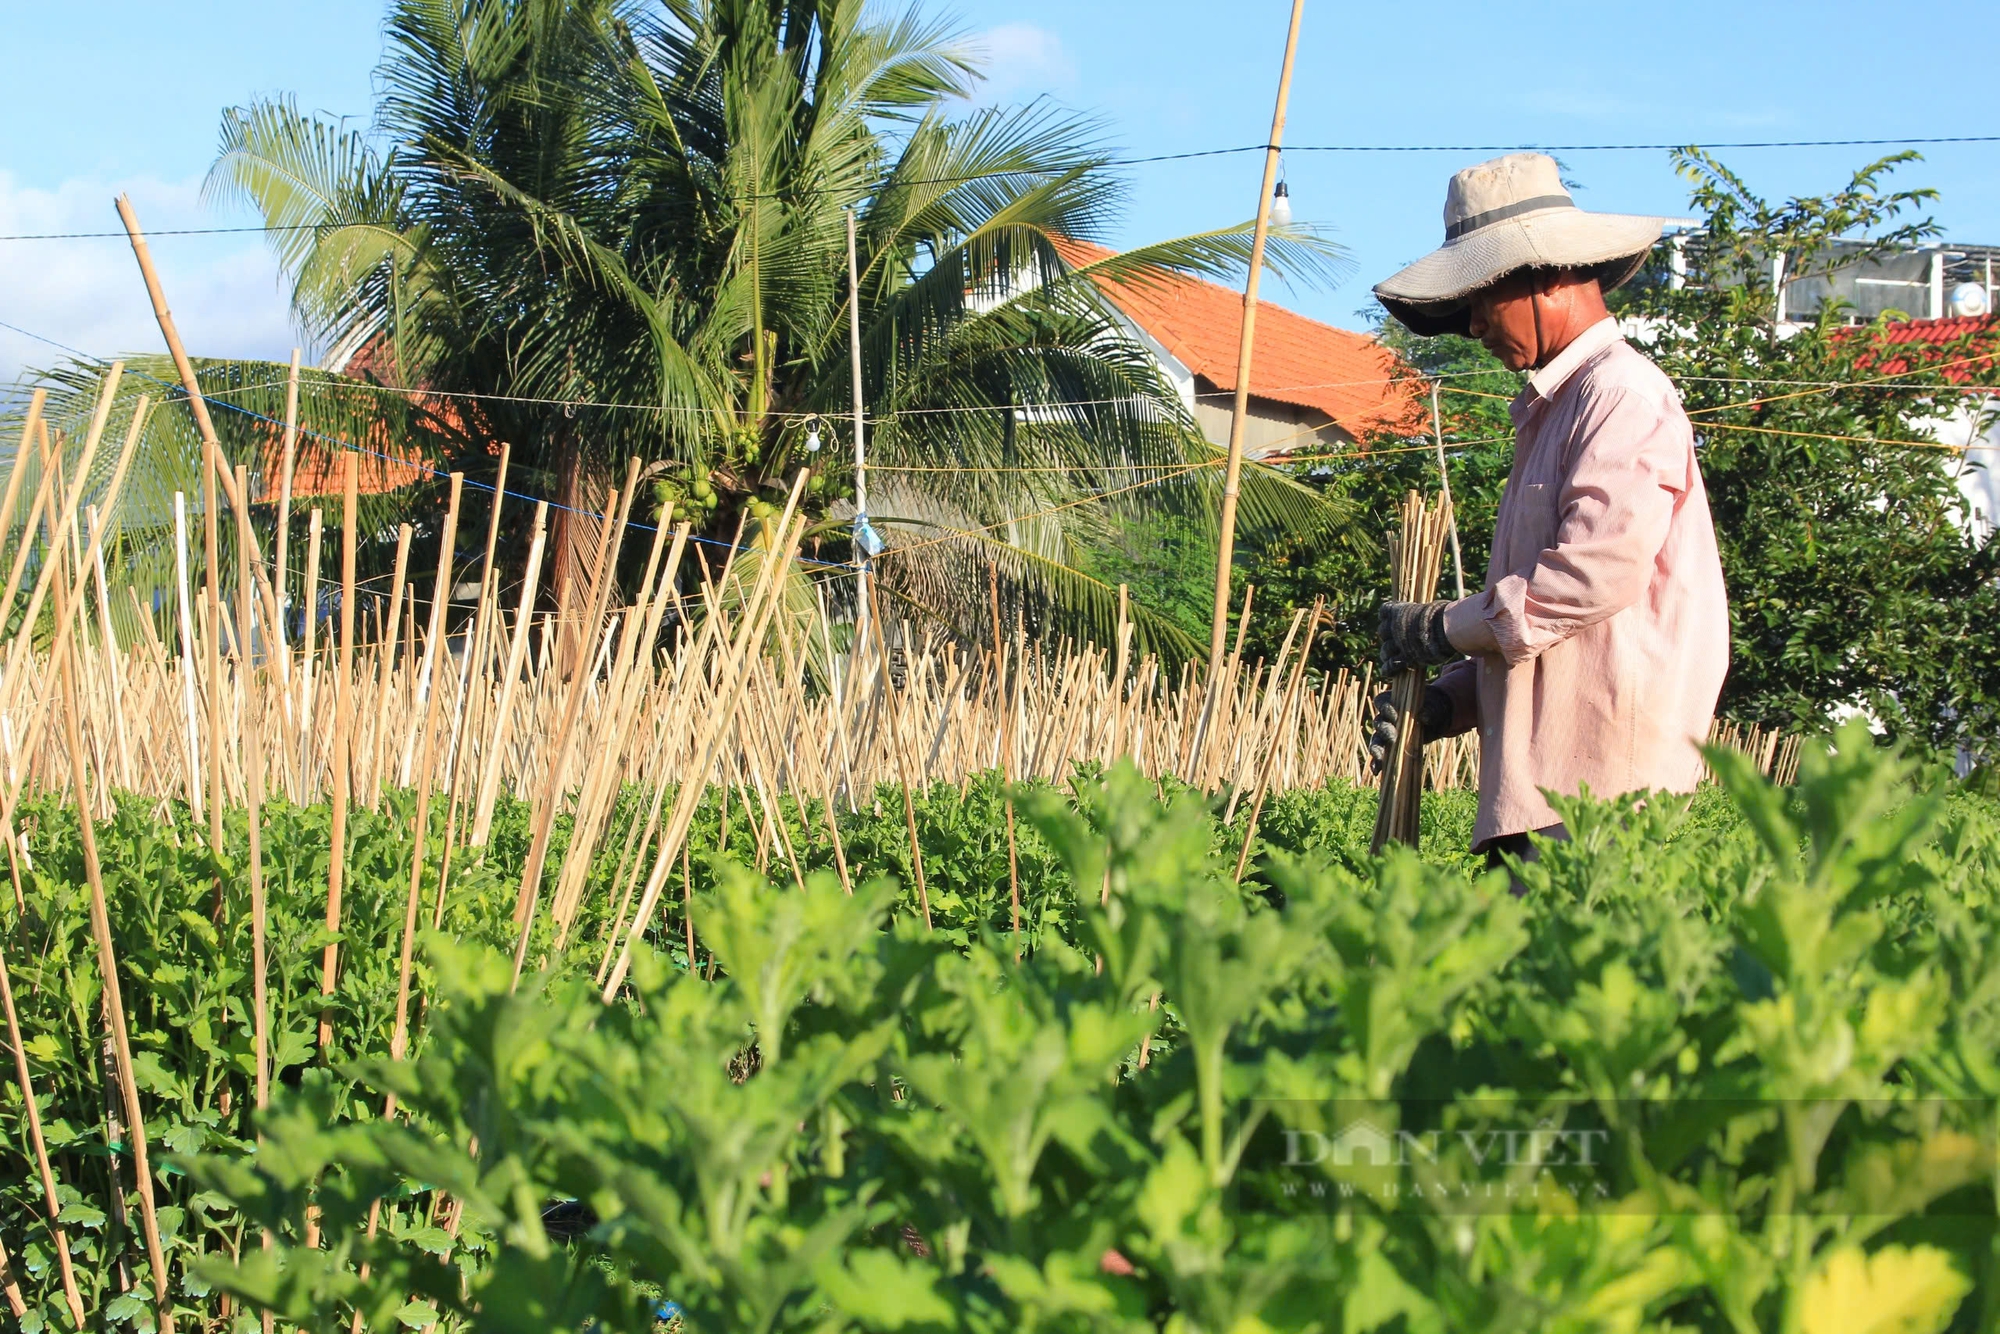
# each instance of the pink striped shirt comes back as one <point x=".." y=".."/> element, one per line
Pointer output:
<point x="1604" y="594"/>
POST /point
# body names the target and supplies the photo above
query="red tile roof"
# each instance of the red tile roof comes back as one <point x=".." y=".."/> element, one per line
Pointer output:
<point x="383" y="465"/>
<point x="1961" y="348"/>
<point x="1348" y="376"/>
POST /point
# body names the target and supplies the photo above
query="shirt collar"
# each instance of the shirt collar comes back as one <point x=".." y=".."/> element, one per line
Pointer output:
<point x="1546" y="381"/>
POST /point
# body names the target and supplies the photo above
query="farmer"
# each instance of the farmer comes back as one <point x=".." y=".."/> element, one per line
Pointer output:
<point x="1594" y="654"/>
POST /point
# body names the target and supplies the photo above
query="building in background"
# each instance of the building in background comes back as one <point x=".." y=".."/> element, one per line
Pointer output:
<point x="1926" y="283"/>
<point x="1313" y="388"/>
<point x="1971" y="419"/>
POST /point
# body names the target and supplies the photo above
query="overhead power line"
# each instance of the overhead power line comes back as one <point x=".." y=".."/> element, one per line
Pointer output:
<point x="1915" y="142"/>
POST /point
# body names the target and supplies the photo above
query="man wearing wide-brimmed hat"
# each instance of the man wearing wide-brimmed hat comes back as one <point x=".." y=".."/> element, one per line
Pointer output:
<point x="1595" y="653"/>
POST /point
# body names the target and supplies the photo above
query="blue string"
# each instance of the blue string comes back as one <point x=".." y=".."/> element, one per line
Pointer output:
<point x="181" y="390"/>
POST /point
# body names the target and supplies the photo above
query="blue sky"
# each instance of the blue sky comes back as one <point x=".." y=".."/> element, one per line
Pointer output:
<point x="103" y="97"/>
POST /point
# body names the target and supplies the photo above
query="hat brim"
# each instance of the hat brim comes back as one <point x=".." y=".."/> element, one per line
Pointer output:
<point x="1430" y="296"/>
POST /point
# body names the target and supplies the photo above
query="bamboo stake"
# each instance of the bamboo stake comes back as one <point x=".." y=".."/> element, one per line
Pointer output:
<point x="489" y="778"/>
<point x="1239" y="416"/>
<point x="336" y="866"/>
<point x="386" y="661"/>
<point x="730" y="686"/>
<point x="1007" y="753"/>
<point x="529" y="896"/>
<point x="902" y="762"/>
<point x="107" y="963"/>
<point x="253" y="760"/>
<point x="1270" y="743"/>
<point x="17" y="471"/>
<point x="475" y="659"/>
<point x="281" y="570"/>
<point x="71" y="1296"/>
<point x="1444" y="484"/>
<point x="188" y="675"/>
<point x="211" y="473"/>
<point x="1415" y="554"/>
<point x="36" y="507"/>
<point x="309" y="654"/>
<point x="61" y="520"/>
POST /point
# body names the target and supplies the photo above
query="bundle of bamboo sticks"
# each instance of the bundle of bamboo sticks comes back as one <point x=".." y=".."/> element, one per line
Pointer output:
<point x="1416" y="557"/>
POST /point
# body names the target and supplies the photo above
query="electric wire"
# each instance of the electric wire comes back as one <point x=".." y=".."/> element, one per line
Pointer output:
<point x="1102" y="163"/>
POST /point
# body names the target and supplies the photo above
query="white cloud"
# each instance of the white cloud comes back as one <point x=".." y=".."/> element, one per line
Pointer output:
<point x="1023" y="61"/>
<point x="224" y="291"/>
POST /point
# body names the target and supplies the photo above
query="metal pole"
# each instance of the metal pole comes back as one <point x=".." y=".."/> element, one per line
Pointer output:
<point x="860" y="440"/>
<point x="1226" y="539"/>
<point x="1444" y="480"/>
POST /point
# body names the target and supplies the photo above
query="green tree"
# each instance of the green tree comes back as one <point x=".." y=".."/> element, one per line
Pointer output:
<point x="1855" y="578"/>
<point x="624" y="225"/>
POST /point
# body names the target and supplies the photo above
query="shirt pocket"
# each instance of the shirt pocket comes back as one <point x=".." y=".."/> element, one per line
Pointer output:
<point x="1526" y="525"/>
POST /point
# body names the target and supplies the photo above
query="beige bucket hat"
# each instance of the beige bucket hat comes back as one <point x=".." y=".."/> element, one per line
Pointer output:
<point x="1504" y="215"/>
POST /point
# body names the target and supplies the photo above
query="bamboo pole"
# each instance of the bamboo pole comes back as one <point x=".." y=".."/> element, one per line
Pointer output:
<point x="1239" y="417"/>
<point x="1007" y="754"/>
<point x="1415" y="553"/>
<point x="189" y="677"/>
<point x="1444" y="484"/>
<point x="530" y="893"/>
<point x="281" y="546"/>
<point x="336" y="866"/>
<point x="489" y="778"/>
<point x="1270" y="742"/>
<point x="253" y="764"/>
<point x="309" y="653"/>
<point x="17" y="470"/>
<point x="26" y="547"/>
<point x="902" y="763"/>
<point x="114" y="1002"/>
<point x="61" y="520"/>
<point x="71" y="1296"/>
<point x="385" y="654"/>
<point x="211" y="474"/>
<point x="729" y="690"/>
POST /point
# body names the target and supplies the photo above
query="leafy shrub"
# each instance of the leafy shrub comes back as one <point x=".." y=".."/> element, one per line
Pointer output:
<point x="1775" y="1032"/>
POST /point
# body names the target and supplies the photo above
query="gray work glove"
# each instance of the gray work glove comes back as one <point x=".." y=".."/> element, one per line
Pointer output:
<point x="1433" y="716"/>
<point x="1413" y="636"/>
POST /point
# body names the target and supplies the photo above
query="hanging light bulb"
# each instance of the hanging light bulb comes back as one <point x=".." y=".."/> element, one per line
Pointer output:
<point x="812" y="436"/>
<point x="1281" y="205"/>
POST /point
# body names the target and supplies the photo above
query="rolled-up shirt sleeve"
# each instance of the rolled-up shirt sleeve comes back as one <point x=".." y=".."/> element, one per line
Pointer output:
<point x="1612" y="518"/>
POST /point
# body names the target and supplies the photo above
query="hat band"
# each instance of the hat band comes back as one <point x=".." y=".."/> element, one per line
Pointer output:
<point x="1457" y="229"/>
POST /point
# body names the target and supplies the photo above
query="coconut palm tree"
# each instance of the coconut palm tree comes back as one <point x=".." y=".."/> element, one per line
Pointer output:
<point x="619" y="229"/>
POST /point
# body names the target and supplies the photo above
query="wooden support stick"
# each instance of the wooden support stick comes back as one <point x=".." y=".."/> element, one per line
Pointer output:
<point x="503" y="713"/>
<point x="336" y="866"/>
<point x="309" y="654"/>
<point x="281" y="574"/>
<point x="1416" y="551"/>
<point x="729" y="690"/>
<point x="386" y="660"/>
<point x="1270" y="741"/>
<point x="529" y="896"/>
<point x="189" y="677"/>
<point x="253" y="773"/>
<point x="1006" y="753"/>
<point x="902" y="761"/>
<point x="34" y="1118"/>
<point x="61" y="521"/>
<point x="18" y="470"/>
<point x="1239" y="417"/>
<point x="114" y="1002"/>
